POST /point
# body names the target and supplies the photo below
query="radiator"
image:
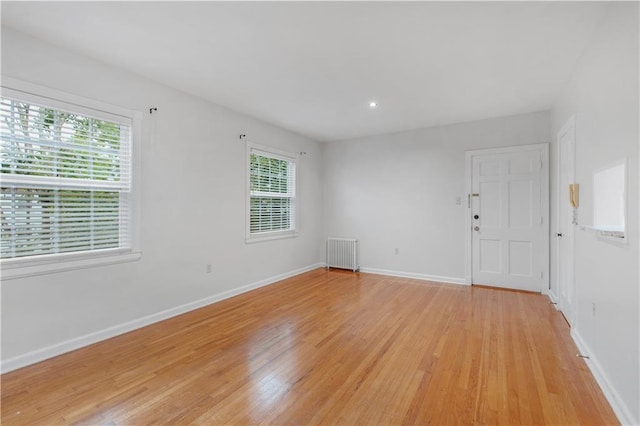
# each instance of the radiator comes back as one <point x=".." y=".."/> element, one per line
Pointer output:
<point x="342" y="253"/>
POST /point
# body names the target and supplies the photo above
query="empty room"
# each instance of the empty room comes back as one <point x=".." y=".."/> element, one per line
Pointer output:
<point x="320" y="213"/>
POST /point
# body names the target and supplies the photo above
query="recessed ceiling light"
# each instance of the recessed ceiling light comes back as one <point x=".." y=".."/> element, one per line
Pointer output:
<point x="373" y="104"/>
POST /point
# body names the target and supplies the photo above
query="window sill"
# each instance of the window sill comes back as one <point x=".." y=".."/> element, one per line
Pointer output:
<point x="21" y="268"/>
<point x="271" y="237"/>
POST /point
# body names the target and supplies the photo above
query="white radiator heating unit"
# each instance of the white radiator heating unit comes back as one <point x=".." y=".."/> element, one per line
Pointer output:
<point x="342" y="253"/>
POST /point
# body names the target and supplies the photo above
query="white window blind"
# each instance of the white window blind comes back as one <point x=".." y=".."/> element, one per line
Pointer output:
<point x="272" y="198"/>
<point x="65" y="178"/>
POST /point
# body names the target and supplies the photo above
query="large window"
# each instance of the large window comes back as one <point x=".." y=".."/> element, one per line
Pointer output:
<point x="65" y="173"/>
<point x="272" y="194"/>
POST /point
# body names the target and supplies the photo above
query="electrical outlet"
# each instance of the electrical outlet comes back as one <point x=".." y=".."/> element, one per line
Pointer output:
<point x="397" y="251"/>
<point x="458" y="201"/>
<point x="593" y="308"/>
<point x="208" y="268"/>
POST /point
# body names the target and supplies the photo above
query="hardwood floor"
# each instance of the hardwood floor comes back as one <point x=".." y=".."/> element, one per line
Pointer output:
<point x="327" y="347"/>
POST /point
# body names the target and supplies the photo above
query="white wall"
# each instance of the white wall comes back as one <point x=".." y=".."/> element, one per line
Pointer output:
<point x="603" y="96"/>
<point x="399" y="191"/>
<point x="193" y="209"/>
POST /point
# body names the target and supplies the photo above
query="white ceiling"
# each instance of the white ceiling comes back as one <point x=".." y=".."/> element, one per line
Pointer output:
<point x="313" y="67"/>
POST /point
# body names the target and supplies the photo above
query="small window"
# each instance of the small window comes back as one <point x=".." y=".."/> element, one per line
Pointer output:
<point x="65" y="173"/>
<point x="272" y="194"/>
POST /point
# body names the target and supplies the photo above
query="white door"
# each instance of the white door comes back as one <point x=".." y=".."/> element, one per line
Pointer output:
<point x="509" y="199"/>
<point x="565" y="237"/>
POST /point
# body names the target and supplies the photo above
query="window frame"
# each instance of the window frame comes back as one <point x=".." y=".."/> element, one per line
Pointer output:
<point x="271" y="235"/>
<point x="58" y="262"/>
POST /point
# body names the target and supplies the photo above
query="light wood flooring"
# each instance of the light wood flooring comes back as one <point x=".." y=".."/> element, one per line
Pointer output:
<point x="326" y="347"/>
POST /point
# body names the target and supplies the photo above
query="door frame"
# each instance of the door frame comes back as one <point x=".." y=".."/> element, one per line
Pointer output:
<point x="544" y="207"/>
<point x="569" y="126"/>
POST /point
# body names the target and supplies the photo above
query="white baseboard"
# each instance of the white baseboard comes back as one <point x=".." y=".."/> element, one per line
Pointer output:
<point x="424" y="277"/>
<point x="554" y="299"/>
<point x="107" y="333"/>
<point x="617" y="404"/>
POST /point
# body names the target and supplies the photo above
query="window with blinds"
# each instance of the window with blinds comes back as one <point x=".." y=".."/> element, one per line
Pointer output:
<point x="65" y="174"/>
<point x="272" y="195"/>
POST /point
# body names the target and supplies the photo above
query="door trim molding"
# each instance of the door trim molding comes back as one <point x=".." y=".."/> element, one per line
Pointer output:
<point x="569" y="126"/>
<point x="544" y="208"/>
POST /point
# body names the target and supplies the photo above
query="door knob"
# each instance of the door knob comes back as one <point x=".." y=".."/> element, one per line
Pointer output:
<point x="476" y="228"/>
<point x="475" y="216"/>
<point x="559" y="234"/>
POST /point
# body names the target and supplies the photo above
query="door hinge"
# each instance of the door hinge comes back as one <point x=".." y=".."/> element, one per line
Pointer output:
<point x="541" y="220"/>
<point x="541" y="275"/>
<point x="541" y="165"/>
